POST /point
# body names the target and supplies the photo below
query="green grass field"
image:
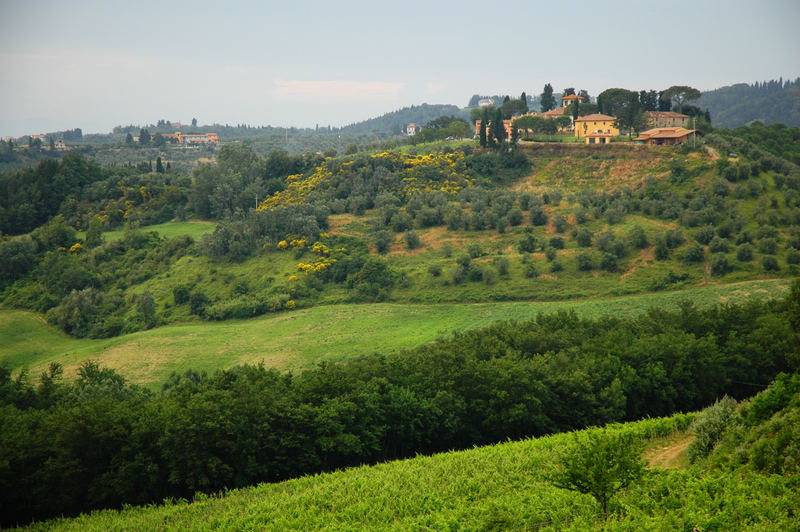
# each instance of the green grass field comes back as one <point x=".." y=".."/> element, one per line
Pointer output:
<point x="195" y="229"/>
<point x="298" y="339"/>
<point x="499" y="487"/>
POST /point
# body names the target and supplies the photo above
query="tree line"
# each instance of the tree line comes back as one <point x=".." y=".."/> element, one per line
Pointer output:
<point x="98" y="441"/>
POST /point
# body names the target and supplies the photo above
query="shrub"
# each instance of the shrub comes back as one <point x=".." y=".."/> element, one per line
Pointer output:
<point x="180" y="294"/>
<point x="502" y="264"/>
<point x="583" y="237"/>
<point x="770" y="263"/>
<point x="585" y="262"/>
<point x="793" y="257"/>
<point x="556" y="266"/>
<point x="704" y="234"/>
<point x="514" y="217"/>
<point x="609" y="262"/>
<point x="198" y="303"/>
<point x="435" y="270"/>
<point x="674" y="238"/>
<point x="638" y="238"/>
<point x="550" y="254"/>
<point x="720" y="264"/>
<point x="559" y="223"/>
<point x="475" y="250"/>
<point x="382" y="240"/>
<point x="718" y="245"/>
<point x="475" y="273"/>
<point x="744" y="252"/>
<point x="768" y="246"/>
<point x="694" y="253"/>
<point x="412" y="240"/>
<point x="527" y="244"/>
<point x="708" y="427"/>
<point x="538" y="216"/>
<point x="530" y="271"/>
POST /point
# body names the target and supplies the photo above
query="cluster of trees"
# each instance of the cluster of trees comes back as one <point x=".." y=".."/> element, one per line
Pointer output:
<point x="101" y="442"/>
<point x="31" y="196"/>
<point x="444" y="127"/>
<point x="769" y="102"/>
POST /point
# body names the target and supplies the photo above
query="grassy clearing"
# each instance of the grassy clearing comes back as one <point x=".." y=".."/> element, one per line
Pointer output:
<point x="194" y="228"/>
<point x="499" y="487"/>
<point x="298" y="339"/>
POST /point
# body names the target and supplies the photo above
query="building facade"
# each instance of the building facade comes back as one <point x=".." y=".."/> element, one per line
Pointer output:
<point x="595" y="124"/>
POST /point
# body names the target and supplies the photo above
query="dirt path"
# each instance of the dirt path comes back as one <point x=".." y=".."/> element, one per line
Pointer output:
<point x="670" y="455"/>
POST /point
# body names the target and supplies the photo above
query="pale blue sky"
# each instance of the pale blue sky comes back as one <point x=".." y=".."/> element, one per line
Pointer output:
<point x="97" y="64"/>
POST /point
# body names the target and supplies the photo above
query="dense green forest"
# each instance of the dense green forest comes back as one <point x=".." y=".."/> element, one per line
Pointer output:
<point x="742" y="475"/>
<point x="767" y="102"/>
<point x="99" y="442"/>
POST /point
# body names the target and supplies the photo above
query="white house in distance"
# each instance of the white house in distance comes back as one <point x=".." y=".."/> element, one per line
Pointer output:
<point x="411" y="129"/>
<point x="485" y="102"/>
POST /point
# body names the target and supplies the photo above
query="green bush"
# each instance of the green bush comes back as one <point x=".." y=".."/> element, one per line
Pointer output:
<point x="412" y="240"/>
<point x="744" y="252"/>
<point x="694" y="253"/>
<point x="720" y="264"/>
<point x="708" y="427"/>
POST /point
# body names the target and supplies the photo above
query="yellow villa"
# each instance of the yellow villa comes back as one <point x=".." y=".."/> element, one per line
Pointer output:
<point x="596" y="128"/>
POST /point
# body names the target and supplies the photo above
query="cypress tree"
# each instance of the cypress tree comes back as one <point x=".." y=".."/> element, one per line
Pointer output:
<point x="482" y="133"/>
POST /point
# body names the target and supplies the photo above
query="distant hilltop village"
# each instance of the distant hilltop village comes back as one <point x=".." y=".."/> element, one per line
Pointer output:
<point x="617" y="112"/>
<point x="183" y="138"/>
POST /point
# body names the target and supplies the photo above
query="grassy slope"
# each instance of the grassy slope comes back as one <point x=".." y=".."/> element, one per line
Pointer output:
<point x="497" y="487"/>
<point x="293" y="340"/>
<point x="195" y="229"/>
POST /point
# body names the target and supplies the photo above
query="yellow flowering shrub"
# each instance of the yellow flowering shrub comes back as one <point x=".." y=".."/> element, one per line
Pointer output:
<point x="418" y="173"/>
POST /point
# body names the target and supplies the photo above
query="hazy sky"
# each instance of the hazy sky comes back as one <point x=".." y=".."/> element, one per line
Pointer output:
<point x="97" y="64"/>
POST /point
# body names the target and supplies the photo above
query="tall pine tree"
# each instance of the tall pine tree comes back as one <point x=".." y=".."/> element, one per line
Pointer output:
<point x="548" y="102"/>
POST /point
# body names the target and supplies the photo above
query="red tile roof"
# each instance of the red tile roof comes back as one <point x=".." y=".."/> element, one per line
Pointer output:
<point x="665" y="133"/>
<point x="596" y="117"/>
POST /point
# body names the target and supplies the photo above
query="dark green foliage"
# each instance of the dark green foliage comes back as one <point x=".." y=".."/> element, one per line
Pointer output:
<point x="502" y="264"/>
<point x="609" y="262"/>
<point x="198" y="302"/>
<point x="768" y="245"/>
<point x="550" y="254"/>
<point x="674" y="238"/>
<point x="694" y="253"/>
<point x="770" y="263"/>
<point x="704" y="235"/>
<point x="638" y="238"/>
<point x="559" y="223"/>
<point x="661" y="251"/>
<point x="583" y="237"/>
<point x="538" y="216"/>
<point x="556" y="242"/>
<point x="475" y="250"/>
<point x="100" y="442"/>
<point x="527" y="244"/>
<point x="382" y="240"/>
<point x="585" y="262"/>
<point x="16" y="259"/>
<point x="720" y="264"/>
<point x="412" y="240"/>
<point x="530" y="271"/>
<point x="32" y="196"/>
<point x="718" y="245"/>
<point x="94" y="234"/>
<point x="181" y="294"/>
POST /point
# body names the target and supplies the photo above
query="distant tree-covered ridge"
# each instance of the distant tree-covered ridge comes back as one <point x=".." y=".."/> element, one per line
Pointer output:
<point x="767" y="102"/>
<point x="395" y="122"/>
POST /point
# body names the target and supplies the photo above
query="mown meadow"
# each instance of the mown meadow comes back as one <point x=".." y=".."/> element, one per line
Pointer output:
<point x="299" y="339"/>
